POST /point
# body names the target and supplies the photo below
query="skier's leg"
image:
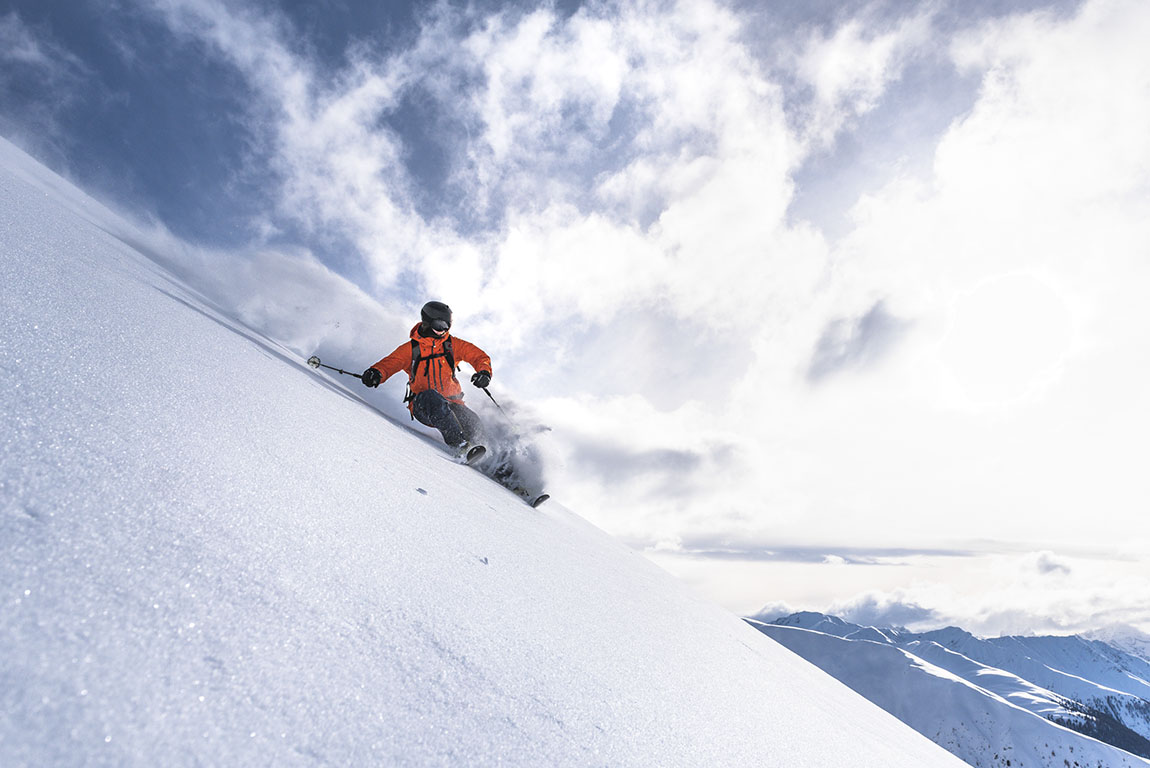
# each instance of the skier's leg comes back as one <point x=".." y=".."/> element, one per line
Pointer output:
<point x="469" y="422"/>
<point x="434" y="410"/>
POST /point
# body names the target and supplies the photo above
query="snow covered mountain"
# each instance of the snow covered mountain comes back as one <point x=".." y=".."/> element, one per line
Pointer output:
<point x="212" y="555"/>
<point x="1030" y="700"/>
<point x="1125" y="638"/>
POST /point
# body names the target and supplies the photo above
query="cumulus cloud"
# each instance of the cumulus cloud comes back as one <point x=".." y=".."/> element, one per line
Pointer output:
<point x="886" y="610"/>
<point x="616" y="109"/>
<point x="850" y="69"/>
<point x="549" y="90"/>
<point x="1048" y="563"/>
<point x="1014" y="262"/>
<point x="855" y="343"/>
<point x="996" y="594"/>
<point x="771" y="611"/>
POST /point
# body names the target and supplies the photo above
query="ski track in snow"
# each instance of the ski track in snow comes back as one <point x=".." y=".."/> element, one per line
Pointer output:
<point x="211" y="555"/>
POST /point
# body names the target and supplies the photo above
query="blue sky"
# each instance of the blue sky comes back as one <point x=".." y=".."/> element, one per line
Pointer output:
<point x="825" y="304"/>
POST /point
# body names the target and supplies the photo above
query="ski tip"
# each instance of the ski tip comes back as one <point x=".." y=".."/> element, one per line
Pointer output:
<point x="475" y="453"/>
<point x="539" y="500"/>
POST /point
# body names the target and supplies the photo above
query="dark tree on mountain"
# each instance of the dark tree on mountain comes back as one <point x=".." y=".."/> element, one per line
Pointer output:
<point x="1104" y="727"/>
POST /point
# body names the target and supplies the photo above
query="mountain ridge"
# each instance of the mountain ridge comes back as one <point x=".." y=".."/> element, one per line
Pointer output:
<point x="997" y="684"/>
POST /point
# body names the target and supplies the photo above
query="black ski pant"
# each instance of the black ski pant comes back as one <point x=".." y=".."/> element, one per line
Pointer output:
<point x="455" y="421"/>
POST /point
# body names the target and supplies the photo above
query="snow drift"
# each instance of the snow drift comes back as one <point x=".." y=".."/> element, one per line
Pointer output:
<point x="209" y="554"/>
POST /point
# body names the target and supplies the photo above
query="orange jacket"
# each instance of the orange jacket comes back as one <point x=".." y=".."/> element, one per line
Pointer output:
<point x="432" y="371"/>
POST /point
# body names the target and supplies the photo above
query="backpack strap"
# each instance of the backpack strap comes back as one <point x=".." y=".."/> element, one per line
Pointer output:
<point x="414" y="361"/>
<point x="448" y="353"/>
<point x="408" y="396"/>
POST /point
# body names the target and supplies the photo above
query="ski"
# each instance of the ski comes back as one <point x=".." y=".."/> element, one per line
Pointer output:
<point x="474" y="454"/>
<point x="532" y="499"/>
<point x="473" y="457"/>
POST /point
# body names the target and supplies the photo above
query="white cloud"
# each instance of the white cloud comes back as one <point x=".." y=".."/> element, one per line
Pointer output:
<point x="340" y="170"/>
<point x="699" y="113"/>
<point x="58" y="72"/>
<point x="772" y="611"/>
<point x="1048" y="563"/>
<point x="992" y="595"/>
<point x="19" y="44"/>
<point x="850" y="70"/>
<point x="1016" y="259"/>
<point x="541" y="73"/>
<point x="887" y="609"/>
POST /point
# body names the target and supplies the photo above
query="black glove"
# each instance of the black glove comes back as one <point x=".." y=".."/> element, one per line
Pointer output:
<point x="481" y="379"/>
<point x="371" y="377"/>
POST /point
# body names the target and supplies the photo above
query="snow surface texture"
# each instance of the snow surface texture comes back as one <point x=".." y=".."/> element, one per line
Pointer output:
<point x="982" y="714"/>
<point x="211" y="554"/>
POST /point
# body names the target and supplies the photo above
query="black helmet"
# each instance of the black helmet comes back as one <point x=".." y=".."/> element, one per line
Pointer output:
<point x="436" y="315"/>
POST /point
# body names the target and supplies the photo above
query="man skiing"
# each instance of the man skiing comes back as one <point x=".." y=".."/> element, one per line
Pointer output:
<point x="434" y="395"/>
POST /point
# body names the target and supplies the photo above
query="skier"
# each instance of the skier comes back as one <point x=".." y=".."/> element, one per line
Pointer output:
<point x="434" y="395"/>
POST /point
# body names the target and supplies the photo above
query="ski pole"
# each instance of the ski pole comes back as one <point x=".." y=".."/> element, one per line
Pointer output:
<point x="497" y="405"/>
<point x="510" y="420"/>
<point x="314" y="362"/>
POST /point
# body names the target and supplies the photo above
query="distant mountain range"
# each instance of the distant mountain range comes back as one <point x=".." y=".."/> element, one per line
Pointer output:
<point x="1125" y="638"/>
<point x="1054" y="702"/>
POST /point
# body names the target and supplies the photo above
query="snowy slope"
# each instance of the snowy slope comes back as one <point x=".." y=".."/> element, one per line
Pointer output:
<point x="209" y="554"/>
<point x="1001" y="683"/>
<point x="1091" y="672"/>
<point x="1071" y="665"/>
<point x="972" y="720"/>
<point x="1100" y="677"/>
<point x="1125" y="638"/>
<point x="1091" y="659"/>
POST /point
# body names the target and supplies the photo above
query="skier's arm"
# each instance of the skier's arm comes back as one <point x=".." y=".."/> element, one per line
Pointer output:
<point x="472" y="355"/>
<point x="399" y="360"/>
